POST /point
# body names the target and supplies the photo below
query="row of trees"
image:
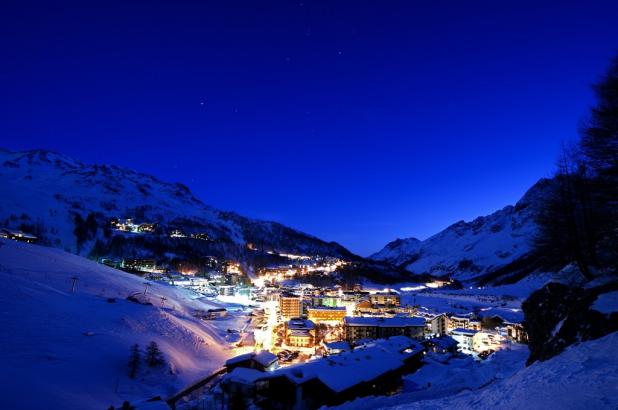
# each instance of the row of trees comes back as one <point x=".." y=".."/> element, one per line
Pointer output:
<point x="579" y="221"/>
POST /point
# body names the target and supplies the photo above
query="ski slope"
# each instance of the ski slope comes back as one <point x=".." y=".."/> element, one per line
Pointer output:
<point x="70" y="350"/>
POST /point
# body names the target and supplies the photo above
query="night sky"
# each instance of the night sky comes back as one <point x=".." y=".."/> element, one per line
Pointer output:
<point x="357" y="122"/>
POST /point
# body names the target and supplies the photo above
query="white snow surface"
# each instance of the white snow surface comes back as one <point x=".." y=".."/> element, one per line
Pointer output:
<point x="582" y="377"/>
<point x="606" y="303"/>
<point x="70" y="350"/>
<point x="45" y="189"/>
<point x="466" y="250"/>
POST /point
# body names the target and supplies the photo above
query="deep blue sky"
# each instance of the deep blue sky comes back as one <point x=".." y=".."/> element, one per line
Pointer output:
<point x="357" y="122"/>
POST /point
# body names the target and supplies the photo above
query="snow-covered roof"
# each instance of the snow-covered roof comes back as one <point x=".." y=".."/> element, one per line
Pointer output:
<point x="264" y="357"/>
<point x="385" y="322"/>
<point x="444" y="342"/>
<point x="244" y="375"/>
<point x="300" y="324"/>
<point x="240" y="358"/>
<point x="340" y="372"/>
<point x="461" y="331"/>
<point x="340" y="345"/>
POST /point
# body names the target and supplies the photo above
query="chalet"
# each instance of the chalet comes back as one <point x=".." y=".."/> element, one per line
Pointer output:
<point x="262" y="361"/>
<point x="443" y="344"/>
<point x="516" y="332"/>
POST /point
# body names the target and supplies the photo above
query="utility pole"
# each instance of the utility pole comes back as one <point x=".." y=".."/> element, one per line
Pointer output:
<point x="74" y="284"/>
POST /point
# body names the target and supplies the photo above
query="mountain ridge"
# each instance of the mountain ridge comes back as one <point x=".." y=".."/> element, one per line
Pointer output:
<point x="472" y="251"/>
<point x="47" y="192"/>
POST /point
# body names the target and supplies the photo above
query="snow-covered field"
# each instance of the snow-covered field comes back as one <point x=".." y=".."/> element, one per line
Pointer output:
<point x="69" y="350"/>
<point x="504" y="301"/>
<point x="585" y="376"/>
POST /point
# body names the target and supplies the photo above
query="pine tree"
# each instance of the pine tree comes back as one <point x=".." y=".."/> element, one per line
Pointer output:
<point x="578" y="221"/>
<point x="154" y="356"/>
<point x="135" y="358"/>
<point x="127" y="406"/>
<point x="599" y="140"/>
<point x="600" y="133"/>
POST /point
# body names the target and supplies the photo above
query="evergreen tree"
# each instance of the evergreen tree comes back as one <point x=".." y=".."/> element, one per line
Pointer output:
<point x="154" y="356"/>
<point x="578" y="221"/>
<point x="135" y="358"/>
<point x="127" y="406"/>
<point x="600" y="133"/>
<point x="599" y="143"/>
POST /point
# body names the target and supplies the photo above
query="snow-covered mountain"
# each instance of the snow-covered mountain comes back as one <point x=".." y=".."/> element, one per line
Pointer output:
<point x="50" y="195"/>
<point x="69" y="350"/>
<point x="485" y="248"/>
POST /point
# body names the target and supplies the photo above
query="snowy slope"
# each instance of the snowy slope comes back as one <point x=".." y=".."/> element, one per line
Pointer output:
<point x="69" y="350"/>
<point x="583" y="377"/>
<point x="44" y="191"/>
<point x="469" y="250"/>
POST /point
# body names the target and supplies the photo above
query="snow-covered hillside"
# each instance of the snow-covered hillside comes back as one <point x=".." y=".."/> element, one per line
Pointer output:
<point x="583" y="377"/>
<point x="44" y="192"/>
<point x="471" y="250"/>
<point x="65" y="350"/>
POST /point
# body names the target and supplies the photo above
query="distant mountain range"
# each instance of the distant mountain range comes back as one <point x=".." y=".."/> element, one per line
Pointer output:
<point x="490" y="249"/>
<point x="69" y="205"/>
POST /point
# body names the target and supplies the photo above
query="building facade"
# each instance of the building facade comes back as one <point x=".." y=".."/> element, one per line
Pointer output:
<point x="290" y="306"/>
<point x="326" y="314"/>
<point x="357" y="328"/>
<point x="385" y="299"/>
<point x="300" y="333"/>
<point x="439" y="325"/>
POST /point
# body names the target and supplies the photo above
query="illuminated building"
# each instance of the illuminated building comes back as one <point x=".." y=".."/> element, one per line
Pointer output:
<point x="385" y="299"/>
<point x="465" y="339"/>
<point x="17" y="236"/>
<point x="300" y="333"/>
<point x="516" y="332"/>
<point x="326" y="314"/>
<point x="290" y="306"/>
<point x="357" y="328"/>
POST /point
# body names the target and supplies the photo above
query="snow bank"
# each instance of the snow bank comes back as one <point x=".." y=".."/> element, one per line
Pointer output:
<point x="69" y="350"/>
<point x="606" y="303"/>
<point x="583" y="377"/>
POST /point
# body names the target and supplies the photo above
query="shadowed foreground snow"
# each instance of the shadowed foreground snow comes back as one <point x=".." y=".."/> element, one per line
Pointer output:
<point x="585" y="376"/>
<point x="70" y="350"/>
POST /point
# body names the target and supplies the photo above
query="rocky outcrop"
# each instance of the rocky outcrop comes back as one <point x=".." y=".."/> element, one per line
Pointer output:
<point x="559" y="315"/>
